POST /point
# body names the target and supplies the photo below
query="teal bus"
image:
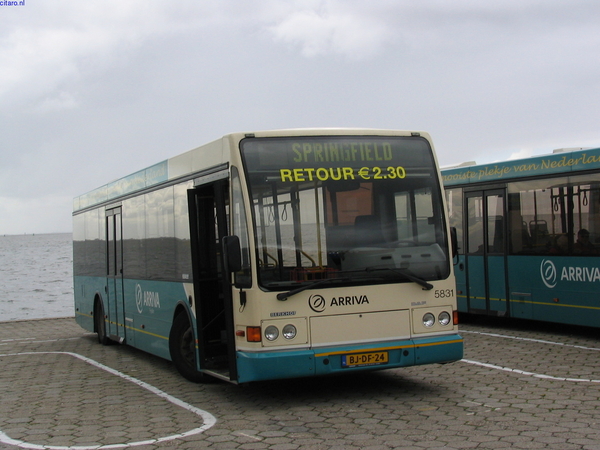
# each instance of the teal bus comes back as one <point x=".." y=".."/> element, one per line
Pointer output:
<point x="529" y="236"/>
<point x="271" y="255"/>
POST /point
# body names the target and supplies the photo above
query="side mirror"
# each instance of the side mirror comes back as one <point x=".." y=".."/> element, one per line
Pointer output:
<point x="232" y="254"/>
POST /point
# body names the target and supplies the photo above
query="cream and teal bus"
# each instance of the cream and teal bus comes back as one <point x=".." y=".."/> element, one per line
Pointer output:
<point x="276" y="254"/>
<point x="529" y="236"/>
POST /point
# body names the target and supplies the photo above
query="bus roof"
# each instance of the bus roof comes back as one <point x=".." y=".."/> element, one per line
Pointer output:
<point x="561" y="161"/>
<point x="208" y="158"/>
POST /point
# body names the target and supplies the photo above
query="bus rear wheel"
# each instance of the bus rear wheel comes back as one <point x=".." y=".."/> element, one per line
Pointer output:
<point x="182" y="347"/>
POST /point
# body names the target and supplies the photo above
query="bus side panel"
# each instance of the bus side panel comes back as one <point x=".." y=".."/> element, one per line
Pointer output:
<point x="520" y="282"/>
<point x="461" y="285"/>
<point x="574" y="299"/>
<point x="497" y="285"/>
<point x="149" y="310"/>
<point x="85" y="289"/>
<point x="558" y="289"/>
<point x="476" y="283"/>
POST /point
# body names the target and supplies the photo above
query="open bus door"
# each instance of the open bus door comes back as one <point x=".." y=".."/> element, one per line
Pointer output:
<point x="485" y="254"/>
<point x="208" y="207"/>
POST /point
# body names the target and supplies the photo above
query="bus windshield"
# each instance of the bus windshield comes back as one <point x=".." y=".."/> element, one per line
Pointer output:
<point x="356" y="208"/>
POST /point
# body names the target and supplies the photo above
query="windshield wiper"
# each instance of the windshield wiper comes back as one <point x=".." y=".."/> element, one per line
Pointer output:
<point x="285" y="295"/>
<point x="406" y="274"/>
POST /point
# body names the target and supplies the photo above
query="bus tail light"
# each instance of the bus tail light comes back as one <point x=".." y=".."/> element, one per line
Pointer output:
<point x="455" y="317"/>
<point x="253" y="334"/>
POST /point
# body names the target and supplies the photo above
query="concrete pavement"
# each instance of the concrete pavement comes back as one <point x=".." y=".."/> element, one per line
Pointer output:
<point x="519" y="386"/>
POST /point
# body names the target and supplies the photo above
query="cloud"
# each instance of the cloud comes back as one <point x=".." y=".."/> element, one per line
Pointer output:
<point x="331" y="28"/>
<point x="522" y="153"/>
<point x="43" y="51"/>
<point x="62" y="100"/>
<point x="94" y="90"/>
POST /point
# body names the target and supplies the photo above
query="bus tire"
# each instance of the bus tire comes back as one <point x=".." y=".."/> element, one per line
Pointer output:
<point x="182" y="347"/>
<point x="100" y="324"/>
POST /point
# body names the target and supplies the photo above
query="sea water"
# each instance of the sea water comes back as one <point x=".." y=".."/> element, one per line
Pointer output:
<point x="36" y="276"/>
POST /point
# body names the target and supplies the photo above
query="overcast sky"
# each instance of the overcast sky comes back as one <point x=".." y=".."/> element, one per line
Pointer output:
<point x="94" y="90"/>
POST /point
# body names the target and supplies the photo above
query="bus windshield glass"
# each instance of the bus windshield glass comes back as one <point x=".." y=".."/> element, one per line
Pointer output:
<point x="356" y="208"/>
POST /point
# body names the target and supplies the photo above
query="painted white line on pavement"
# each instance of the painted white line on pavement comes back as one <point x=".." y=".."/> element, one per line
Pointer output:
<point x="5" y="342"/>
<point x="530" y="374"/>
<point x="523" y="372"/>
<point x="208" y="419"/>
<point x="539" y="341"/>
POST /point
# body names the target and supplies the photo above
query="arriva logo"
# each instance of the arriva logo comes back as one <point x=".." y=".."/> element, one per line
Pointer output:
<point x="139" y="298"/>
<point x="548" y="273"/>
<point x="578" y="274"/>
<point x="147" y="299"/>
<point x="317" y="303"/>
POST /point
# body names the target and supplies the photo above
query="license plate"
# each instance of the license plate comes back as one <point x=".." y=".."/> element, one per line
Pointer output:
<point x="365" y="359"/>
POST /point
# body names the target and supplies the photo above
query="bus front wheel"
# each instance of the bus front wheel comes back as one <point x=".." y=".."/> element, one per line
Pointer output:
<point x="182" y="347"/>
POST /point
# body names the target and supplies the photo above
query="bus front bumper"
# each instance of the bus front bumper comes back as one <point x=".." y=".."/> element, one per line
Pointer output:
<point x="346" y="359"/>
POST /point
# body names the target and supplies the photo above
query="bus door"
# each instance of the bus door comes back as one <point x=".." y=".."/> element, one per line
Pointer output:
<point x="208" y="206"/>
<point x="485" y="253"/>
<point x="114" y="273"/>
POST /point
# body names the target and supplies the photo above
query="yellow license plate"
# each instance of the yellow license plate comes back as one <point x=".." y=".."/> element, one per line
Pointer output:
<point x="365" y="359"/>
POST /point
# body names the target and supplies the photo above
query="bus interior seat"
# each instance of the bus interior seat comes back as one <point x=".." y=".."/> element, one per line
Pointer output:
<point x="539" y="232"/>
<point x="538" y="228"/>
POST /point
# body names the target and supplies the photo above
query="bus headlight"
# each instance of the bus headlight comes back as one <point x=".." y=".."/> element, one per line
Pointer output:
<point x="444" y="318"/>
<point x="271" y="333"/>
<point x="428" y="320"/>
<point x="289" y="331"/>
